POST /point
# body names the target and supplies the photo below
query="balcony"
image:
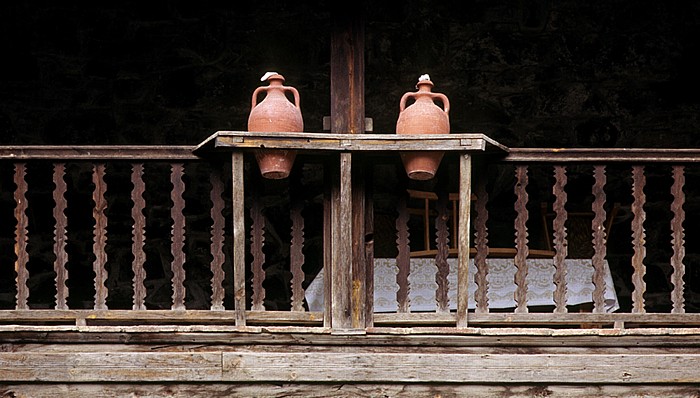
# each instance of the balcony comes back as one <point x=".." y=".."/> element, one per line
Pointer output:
<point x="590" y="249"/>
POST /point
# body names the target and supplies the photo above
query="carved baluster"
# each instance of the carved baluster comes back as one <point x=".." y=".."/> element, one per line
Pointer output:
<point x="403" y="257"/>
<point x="257" y="240"/>
<point x="297" y="256"/>
<point x="521" y="248"/>
<point x="217" y="241"/>
<point x="178" y="235"/>
<point x="678" y="239"/>
<point x="482" y="249"/>
<point x="59" y="247"/>
<point x="442" y="241"/>
<point x="599" y="232"/>
<point x="638" y="238"/>
<point x="560" y="245"/>
<point x="100" y="235"/>
<point x="138" y="236"/>
<point x="21" y="236"/>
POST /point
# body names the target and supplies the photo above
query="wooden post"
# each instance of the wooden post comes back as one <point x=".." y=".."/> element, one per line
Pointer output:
<point x="465" y="194"/>
<point x="348" y="116"/>
<point x="238" y="238"/>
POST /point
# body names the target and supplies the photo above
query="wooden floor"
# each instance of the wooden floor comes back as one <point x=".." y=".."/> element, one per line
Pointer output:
<point x="180" y="361"/>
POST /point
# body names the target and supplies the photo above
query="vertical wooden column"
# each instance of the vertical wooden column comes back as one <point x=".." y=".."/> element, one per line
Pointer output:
<point x="465" y="199"/>
<point x="349" y="268"/>
<point x="238" y="238"/>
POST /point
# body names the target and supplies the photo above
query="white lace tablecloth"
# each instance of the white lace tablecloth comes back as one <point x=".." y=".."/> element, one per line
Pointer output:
<point x="501" y="278"/>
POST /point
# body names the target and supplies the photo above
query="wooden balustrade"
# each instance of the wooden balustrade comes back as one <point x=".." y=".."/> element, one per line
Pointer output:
<point x="281" y="233"/>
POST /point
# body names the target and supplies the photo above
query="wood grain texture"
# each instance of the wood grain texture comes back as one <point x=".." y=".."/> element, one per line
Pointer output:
<point x="99" y="235"/>
<point x="138" y="236"/>
<point x="296" y="255"/>
<point x="217" y="240"/>
<point x="178" y="235"/>
<point x="638" y="239"/>
<point x="238" y="215"/>
<point x="678" y="240"/>
<point x="442" y="242"/>
<point x="403" y="256"/>
<point x="21" y="236"/>
<point x="465" y="197"/>
<point x="560" y="244"/>
<point x="599" y="239"/>
<point x="482" y="249"/>
<point x="521" y="247"/>
<point x="60" y="235"/>
<point x="257" y="242"/>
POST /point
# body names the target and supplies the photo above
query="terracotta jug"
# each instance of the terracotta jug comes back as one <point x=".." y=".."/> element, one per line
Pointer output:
<point x="423" y="116"/>
<point x="275" y="113"/>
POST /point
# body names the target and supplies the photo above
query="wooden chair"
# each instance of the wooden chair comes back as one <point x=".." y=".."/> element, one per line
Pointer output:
<point x="422" y="204"/>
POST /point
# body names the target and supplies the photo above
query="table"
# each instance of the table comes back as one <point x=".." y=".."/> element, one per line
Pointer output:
<point x="501" y="291"/>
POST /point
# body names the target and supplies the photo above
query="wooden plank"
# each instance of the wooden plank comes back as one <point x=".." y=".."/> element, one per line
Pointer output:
<point x="330" y="197"/>
<point x="465" y="184"/>
<point x="460" y="368"/>
<point x="603" y="155"/>
<point x="138" y="236"/>
<point x="257" y="242"/>
<point x="560" y="244"/>
<point x="178" y="235"/>
<point x="341" y="286"/>
<point x="638" y="239"/>
<point x="217" y="240"/>
<point x="599" y="239"/>
<point x="99" y="235"/>
<point x="352" y="390"/>
<point x="341" y="141"/>
<point x="21" y="239"/>
<point x="481" y="242"/>
<point x="238" y="210"/>
<point x="521" y="248"/>
<point x="104" y="367"/>
<point x="442" y="245"/>
<point x="678" y="240"/>
<point x="403" y="257"/>
<point x="98" y="152"/>
<point x="60" y="235"/>
<point x="296" y="255"/>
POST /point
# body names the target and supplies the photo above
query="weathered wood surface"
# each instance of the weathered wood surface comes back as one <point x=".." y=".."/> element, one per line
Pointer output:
<point x="465" y="197"/>
<point x="60" y="235"/>
<point x="217" y="241"/>
<point x="638" y="239"/>
<point x="603" y="155"/>
<point x="239" y="264"/>
<point x="521" y="240"/>
<point x="99" y="235"/>
<point x="138" y="236"/>
<point x="95" y="364"/>
<point x="21" y="236"/>
<point x="98" y="152"/>
<point x="599" y="239"/>
<point x="178" y="235"/>
<point x="341" y="141"/>
<point x="678" y="240"/>
<point x="342" y="390"/>
<point x="560" y="244"/>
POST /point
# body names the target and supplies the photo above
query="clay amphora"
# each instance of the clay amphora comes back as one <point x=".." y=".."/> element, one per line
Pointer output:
<point x="423" y="117"/>
<point x="275" y="113"/>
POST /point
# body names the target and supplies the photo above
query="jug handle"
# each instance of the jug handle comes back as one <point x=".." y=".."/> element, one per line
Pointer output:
<point x="260" y="89"/>
<point x="296" y="95"/>
<point x="435" y="96"/>
<point x="256" y="93"/>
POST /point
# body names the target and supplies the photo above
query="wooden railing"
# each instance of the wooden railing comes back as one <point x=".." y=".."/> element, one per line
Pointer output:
<point x="184" y="235"/>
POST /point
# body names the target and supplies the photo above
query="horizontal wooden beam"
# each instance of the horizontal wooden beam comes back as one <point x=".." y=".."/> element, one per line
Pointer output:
<point x="398" y="390"/>
<point x="96" y="364"/>
<point x="603" y="155"/>
<point x="347" y="142"/>
<point x="95" y="152"/>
